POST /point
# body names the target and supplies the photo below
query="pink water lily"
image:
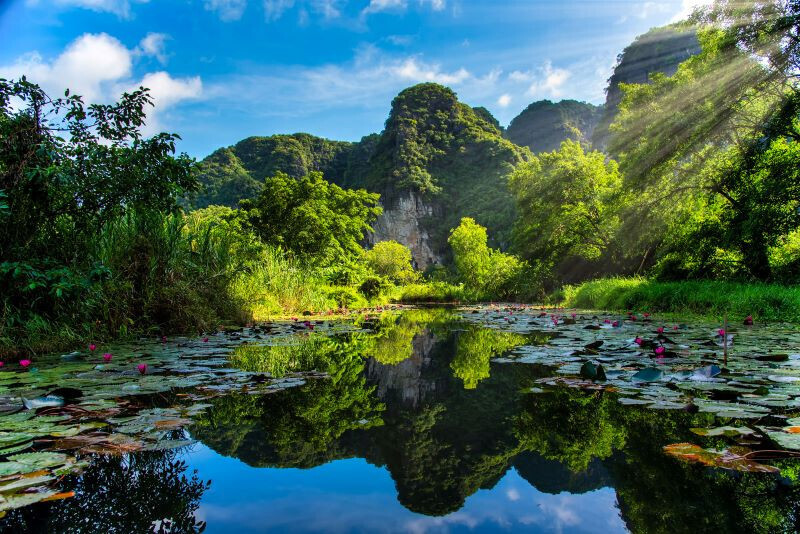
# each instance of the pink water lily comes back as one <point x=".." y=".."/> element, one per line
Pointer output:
<point x="142" y="367"/>
<point x="92" y="346"/>
<point x="748" y="321"/>
<point x="615" y="324"/>
<point x="646" y="315"/>
<point x="24" y="363"/>
<point x="721" y="332"/>
<point x="163" y="339"/>
<point x="660" y="329"/>
<point x="574" y="315"/>
<point x="107" y="357"/>
<point x="660" y="350"/>
<point x="205" y="340"/>
<point x="638" y="341"/>
<point x="2" y="364"/>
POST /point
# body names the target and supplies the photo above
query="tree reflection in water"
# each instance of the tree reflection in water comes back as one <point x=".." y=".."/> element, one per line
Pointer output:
<point x="135" y="493"/>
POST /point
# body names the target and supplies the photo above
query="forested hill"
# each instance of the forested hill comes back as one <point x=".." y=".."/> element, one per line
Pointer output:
<point x="659" y="50"/>
<point x="442" y="156"/>
<point x="544" y="125"/>
<point x="237" y="172"/>
<point x="437" y="159"/>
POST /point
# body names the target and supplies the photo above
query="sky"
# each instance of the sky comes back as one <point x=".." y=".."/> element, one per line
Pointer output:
<point x="223" y="70"/>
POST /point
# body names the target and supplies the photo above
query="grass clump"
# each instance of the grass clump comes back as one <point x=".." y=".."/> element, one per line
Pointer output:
<point x="766" y="302"/>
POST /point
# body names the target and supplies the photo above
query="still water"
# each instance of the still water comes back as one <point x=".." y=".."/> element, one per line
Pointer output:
<point x="426" y="421"/>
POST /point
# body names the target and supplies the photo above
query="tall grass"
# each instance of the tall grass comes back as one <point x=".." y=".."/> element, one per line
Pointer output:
<point x="275" y="286"/>
<point x="768" y="302"/>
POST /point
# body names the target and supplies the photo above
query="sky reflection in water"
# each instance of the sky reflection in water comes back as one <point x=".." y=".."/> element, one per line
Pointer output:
<point x="354" y="496"/>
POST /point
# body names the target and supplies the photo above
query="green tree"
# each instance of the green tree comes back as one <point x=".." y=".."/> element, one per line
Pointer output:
<point x="312" y="219"/>
<point x="392" y="260"/>
<point x="566" y="200"/>
<point x="482" y="268"/>
<point x="58" y="193"/>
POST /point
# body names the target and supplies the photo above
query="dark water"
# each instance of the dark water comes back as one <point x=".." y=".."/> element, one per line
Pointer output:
<point x="421" y="432"/>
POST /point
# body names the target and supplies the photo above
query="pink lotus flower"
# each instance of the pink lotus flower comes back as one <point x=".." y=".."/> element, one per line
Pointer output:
<point x="24" y="363"/>
<point x="107" y="357"/>
<point x="660" y="329"/>
<point x="142" y="367"/>
<point x="660" y="350"/>
<point x="638" y="341"/>
<point x="92" y="346"/>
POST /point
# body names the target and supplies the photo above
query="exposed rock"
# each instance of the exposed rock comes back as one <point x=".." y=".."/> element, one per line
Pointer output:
<point x="402" y="222"/>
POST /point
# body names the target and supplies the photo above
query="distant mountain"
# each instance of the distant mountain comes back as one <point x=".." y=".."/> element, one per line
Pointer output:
<point x="236" y="172"/>
<point x="437" y="160"/>
<point x="544" y="125"/>
<point x="658" y="50"/>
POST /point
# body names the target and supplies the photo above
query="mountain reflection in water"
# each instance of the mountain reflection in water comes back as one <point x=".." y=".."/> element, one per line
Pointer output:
<point x="416" y="429"/>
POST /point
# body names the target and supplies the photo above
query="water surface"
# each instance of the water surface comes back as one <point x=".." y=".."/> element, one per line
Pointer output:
<point x="444" y="421"/>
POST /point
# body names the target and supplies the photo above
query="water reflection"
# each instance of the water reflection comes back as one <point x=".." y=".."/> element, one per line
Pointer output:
<point x="415" y="428"/>
<point x="144" y="492"/>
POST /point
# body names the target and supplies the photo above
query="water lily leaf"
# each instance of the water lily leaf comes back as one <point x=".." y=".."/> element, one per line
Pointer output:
<point x="727" y="431"/>
<point x="786" y="439"/>
<point x="40" y="460"/>
<point x="648" y="374"/>
<point x="25" y="482"/>
<point x="19" y="500"/>
<point x="724" y="459"/>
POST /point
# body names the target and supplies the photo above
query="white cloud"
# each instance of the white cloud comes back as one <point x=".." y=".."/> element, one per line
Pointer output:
<point x="379" y="6"/>
<point x="413" y="70"/>
<point x="549" y="82"/>
<point x="228" y="10"/>
<point x="274" y="9"/>
<point x="327" y="8"/>
<point x="88" y="66"/>
<point x="153" y="44"/>
<point x="436" y="5"/>
<point x="99" y="68"/>
<point x="120" y="8"/>
<point x="688" y="7"/>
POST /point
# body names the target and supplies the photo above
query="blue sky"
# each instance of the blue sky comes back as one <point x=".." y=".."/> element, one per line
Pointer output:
<point x="221" y="70"/>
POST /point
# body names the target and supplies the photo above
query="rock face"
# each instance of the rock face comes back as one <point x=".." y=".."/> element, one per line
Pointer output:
<point x="658" y="50"/>
<point x="402" y="222"/>
<point x="543" y="125"/>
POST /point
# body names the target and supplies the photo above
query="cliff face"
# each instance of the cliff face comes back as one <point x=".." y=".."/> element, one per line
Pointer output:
<point x="544" y="125"/>
<point x="659" y="50"/>
<point x="402" y="221"/>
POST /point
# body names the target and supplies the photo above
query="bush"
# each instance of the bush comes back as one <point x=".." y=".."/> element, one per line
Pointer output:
<point x="392" y="260"/>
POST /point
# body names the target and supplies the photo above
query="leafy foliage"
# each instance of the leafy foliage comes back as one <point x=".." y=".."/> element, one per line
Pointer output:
<point x="566" y="201"/>
<point x="312" y="219"/>
<point x="392" y="260"/>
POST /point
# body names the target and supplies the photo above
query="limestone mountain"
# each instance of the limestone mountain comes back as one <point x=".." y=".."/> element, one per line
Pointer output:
<point x="659" y="50"/>
<point x="437" y="160"/>
<point x="234" y="173"/>
<point x="543" y="125"/>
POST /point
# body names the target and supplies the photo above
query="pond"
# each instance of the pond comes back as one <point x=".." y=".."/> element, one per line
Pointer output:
<point x="485" y="418"/>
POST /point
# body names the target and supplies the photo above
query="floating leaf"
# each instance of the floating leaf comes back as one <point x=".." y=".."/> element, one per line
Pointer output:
<point x="724" y="459"/>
